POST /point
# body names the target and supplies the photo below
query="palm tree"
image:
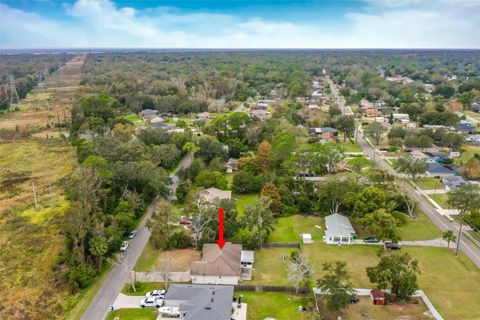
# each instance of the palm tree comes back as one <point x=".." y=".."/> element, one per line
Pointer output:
<point x="449" y="237"/>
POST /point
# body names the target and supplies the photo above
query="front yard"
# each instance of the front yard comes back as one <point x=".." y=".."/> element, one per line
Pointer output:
<point x="428" y="183"/>
<point x="133" y="314"/>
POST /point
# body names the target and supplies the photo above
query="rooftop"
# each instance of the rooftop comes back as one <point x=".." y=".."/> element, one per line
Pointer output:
<point x="215" y="194"/>
<point x="218" y="262"/>
<point x="201" y="302"/>
<point x="338" y="226"/>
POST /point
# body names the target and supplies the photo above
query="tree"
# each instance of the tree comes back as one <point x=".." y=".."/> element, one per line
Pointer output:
<point x="358" y="164"/>
<point x="397" y="271"/>
<point x="259" y="218"/>
<point x="160" y="225"/>
<point x="98" y="249"/>
<point x="382" y="225"/>
<point x="449" y="237"/>
<point x="190" y="148"/>
<point x="410" y="166"/>
<point x="369" y="200"/>
<point x="207" y="179"/>
<point x="466" y="199"/>
<point x="270" y="191"/>
<point x="374" y="132"/>
<point x="336" y="285"/>
<point x="346" y="125"/>
<point x="472" y="168"/>
<point x="245" y="181"/>
<point x="300" y="271"/>
<point x="263" y="156"/>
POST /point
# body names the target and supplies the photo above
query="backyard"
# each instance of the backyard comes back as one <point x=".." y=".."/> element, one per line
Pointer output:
<point x="455" y="295"/>
<point x="279" y="306"/>
<point x="365" y="310"/>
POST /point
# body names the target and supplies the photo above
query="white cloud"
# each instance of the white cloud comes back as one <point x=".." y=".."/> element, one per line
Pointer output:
<point x="382" y="24"/>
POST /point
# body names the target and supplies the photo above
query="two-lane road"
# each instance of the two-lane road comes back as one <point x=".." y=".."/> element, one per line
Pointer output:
<point x="466" y="246"/>
<point x="112" y="286"/>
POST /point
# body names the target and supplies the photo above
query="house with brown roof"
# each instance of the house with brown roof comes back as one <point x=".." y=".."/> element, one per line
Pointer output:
<point x="218" y="266"/>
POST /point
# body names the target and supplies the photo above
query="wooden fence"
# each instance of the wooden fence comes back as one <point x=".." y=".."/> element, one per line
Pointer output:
<point x="261" y="288"/>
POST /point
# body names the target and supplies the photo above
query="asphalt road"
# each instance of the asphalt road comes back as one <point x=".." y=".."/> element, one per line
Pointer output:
<point x="466" y="246"/>
<point x="112" y="286"/>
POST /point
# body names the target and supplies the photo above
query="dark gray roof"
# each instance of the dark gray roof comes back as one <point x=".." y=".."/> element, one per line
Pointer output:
<point x="455" y="181"/>
<point x="434" y="168"/>
<point x="201" y="302"/>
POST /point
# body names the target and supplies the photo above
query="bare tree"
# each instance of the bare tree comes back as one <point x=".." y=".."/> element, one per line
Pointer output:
<point x="300" y="271"/>
<point x="166" y="269"/>
<point x="203" y="215"/>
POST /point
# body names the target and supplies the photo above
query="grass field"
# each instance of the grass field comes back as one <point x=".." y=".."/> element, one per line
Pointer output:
<point x="429" y="183"/>
<point x="450" y="282"/>
<point x="279" y="306"/>
<point x="133" y="314"/>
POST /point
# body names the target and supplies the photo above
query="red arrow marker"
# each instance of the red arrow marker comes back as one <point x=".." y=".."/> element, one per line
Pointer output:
<point x="220" y="241"/>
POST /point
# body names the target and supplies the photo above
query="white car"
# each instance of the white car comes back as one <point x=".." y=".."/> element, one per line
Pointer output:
<point x="156" y="294"/>
<point x="124" y="246"/>
<point x="151" y="302"/>
<point x="169" y="311"/>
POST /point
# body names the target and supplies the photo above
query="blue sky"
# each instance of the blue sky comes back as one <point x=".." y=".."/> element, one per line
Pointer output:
<point x="240" y="24"/>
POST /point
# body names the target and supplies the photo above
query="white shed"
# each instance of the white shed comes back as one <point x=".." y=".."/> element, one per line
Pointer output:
<point x="307" y="238"/>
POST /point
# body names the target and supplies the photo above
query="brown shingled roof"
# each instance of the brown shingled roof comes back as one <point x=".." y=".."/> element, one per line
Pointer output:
<point x="218" y="262"/>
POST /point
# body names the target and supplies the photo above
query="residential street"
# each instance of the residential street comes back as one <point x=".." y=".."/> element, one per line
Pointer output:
<point x="105" y="298"/>
<point x="470" y="249"/>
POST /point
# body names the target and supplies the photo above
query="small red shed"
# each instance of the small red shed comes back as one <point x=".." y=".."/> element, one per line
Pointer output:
<point x="378" y="297"/>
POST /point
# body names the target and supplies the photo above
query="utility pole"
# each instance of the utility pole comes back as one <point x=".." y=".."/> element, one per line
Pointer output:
<point x="459" y="234"/>
<point x="52" y="199"/>
<point x="13" y="91"/>
<point x="35" y="197"/>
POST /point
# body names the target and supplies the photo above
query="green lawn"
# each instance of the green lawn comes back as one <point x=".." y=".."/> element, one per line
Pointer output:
<point x="441" y="199"/>
<point x="133" y="118"/>
<point x="280" y="306"/>
<point x="350" y="147"/>
<point x="142" y="288"/>
<point x="429" y="183"/>
<point x="147" y="259"/>
<point x="288" y="229"/>
<point x="419" y="229"/>
<point x="133" y="314"/>
<point x="243" y="200"/>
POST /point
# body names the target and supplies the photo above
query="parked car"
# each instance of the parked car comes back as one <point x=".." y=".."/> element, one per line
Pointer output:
<point x="371" y="240"/>
<point x="354" y="299"/>
<point x="185" y="220"/>
<point x="156" y="294"/>
<point x="132" y="234"/>
<point x="392" y="246"/>
<point x="151" y="302"/>
<point x="124" y="246"/>
<point x="169" y="311"/>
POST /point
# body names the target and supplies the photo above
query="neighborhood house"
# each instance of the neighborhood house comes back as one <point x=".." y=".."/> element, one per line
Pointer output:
<point x="339" y="230"/>
<point x="213" y="195"/>
<point x="228" y="265"/>
<point x="198" y="302"/>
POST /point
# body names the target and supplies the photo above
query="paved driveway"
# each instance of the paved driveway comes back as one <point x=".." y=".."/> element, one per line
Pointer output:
<point x="127" y="302"/>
